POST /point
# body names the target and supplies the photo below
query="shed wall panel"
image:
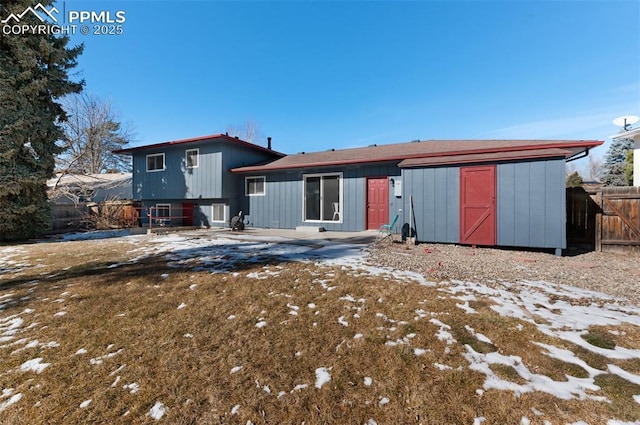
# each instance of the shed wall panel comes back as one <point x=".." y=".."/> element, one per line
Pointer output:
<point x="531" y="204"/>
<point x="436" y="203"/>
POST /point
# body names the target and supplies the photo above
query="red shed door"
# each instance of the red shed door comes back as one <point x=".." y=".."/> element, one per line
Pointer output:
<point x="478" y="205"/>
<point x="377" y="202"/>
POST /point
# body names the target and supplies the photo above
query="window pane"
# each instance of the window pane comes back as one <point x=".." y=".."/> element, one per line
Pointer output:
<point x="312" y="198"/>
<point x="259" y="186"/>
<point x="192" y="158"/>
<point x="163" y="211"/>
<point x="255" y="186"/>
<point x="330" y="196"/>
<point x="218" y="212"/>
<point x="155" y="162"/>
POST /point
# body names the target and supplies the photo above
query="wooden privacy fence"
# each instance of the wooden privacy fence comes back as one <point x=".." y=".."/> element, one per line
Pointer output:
<point x="92" y="215"/>
<point x="607" y="219"/>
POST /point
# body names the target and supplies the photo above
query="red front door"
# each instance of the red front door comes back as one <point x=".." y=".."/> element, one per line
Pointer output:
<point x="377" y="202"/>
<point x="478" y="205"/>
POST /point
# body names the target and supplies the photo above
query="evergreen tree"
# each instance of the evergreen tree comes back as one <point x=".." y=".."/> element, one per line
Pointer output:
<point x="33" y="76"/>
<point x="574" y="180"/>
<point x="614" y="162"/>
<point x="628" y="167"/>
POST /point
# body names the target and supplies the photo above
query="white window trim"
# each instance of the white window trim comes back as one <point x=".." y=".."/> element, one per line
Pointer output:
<point x="186" y="155"/>
<point x="224" y="212"/>
<point x="146" y="160"/>
<point x="163" y="206"/>
<point x="162" y="220"/>
<point x="340" y="206"/>
<point x="264" y="186"/>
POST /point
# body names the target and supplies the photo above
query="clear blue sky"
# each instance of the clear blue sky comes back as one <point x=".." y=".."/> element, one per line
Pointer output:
<point x="317" y="74"/>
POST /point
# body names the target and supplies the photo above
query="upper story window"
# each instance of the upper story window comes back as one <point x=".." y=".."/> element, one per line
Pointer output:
<point x="192" y="158"/>
<point x="155" y="162"/>
<point x="255" y="186"/>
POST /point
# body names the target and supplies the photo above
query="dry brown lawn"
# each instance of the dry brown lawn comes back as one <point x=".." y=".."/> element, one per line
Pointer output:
<point x="247" y="346"/>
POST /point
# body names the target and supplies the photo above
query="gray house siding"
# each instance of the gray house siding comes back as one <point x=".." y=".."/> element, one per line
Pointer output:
<point x="436" y="203"/>
<point x="211" y="179"/>
<point x="177" y="181"/>
<point x="282" y="204"/>
<point x="233" y="184"/>
<point x="531" y="205"/>
<point x="205" y="185"/>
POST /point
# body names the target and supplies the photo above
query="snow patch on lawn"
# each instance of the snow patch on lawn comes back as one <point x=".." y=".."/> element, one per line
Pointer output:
<point x="34" y="365"/>
<point x="322" y="376"/>
<point x="157" y="411"/>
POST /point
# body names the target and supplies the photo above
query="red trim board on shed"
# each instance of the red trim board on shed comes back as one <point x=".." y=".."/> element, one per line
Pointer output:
<point x="478" y="205"/>
<point x="377" y="202"/>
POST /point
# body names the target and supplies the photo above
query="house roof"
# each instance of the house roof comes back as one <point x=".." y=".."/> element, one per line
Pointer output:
<point x="485" y="157"/>
<point x="633" y="134"/>
<point x="225" y="137"/>
<point x="101" y="186"/>
<point x="71" y="179"/>
<point x="449" y="151"/>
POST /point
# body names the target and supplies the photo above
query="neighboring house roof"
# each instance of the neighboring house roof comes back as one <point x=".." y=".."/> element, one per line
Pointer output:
<point x="432" y="152"/>
<point x="633" y="134"/>
<point x="91" y="187"/>
<point x="225" y="137"/>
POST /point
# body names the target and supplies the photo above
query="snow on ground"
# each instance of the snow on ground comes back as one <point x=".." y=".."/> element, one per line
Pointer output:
<point x="12" y="260"/>
<point x="95" y="235"/>
<point x="322" y="376"/>
<point x="556" y="310"/>
<point x="157" y="411"/>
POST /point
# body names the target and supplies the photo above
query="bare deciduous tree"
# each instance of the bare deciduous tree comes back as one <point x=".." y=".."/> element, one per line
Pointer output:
<point x="595" y="168"/>
<point x="249" y="132"/>
<point x="91" y="134"/>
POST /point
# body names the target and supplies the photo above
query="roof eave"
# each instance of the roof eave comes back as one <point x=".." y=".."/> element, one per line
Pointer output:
<point x="586" y="144"/>
<point x="631" y="134"/>
<point x="199" y="139"/>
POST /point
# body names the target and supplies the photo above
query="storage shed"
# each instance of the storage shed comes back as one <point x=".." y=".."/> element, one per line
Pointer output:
<point x="475" y="192"/>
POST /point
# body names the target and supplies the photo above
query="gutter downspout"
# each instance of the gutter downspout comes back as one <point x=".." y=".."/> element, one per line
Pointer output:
<point x="575" y="157"/>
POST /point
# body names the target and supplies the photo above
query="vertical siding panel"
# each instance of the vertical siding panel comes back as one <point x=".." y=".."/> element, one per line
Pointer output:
<point x="453" y="205"/>
<point x="429" y="217"/>
<point x="441" y="211"/>
<point x="522" y="208"/>
<point x="506" y="203"/>
<point x="354" y="216"/>
<point x="555" y="235"/>
<point x="537" y="204"/>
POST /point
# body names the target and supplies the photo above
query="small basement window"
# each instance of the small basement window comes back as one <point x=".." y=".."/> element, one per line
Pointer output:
<point x="155" y="162"/>
<point x="218" y="213"/>
<point x="255" y="186"/>
<point x="192" y="158"/>
<point x="163" y="214"/>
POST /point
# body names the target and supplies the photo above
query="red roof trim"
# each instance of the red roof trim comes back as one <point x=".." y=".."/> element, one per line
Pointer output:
<point x="199" y="139"/>
<point x="584" y="145"/>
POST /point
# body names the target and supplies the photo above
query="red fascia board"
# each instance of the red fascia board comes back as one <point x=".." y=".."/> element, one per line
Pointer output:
<point x="198" y="139"/>
<point x="586" y="144"/>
